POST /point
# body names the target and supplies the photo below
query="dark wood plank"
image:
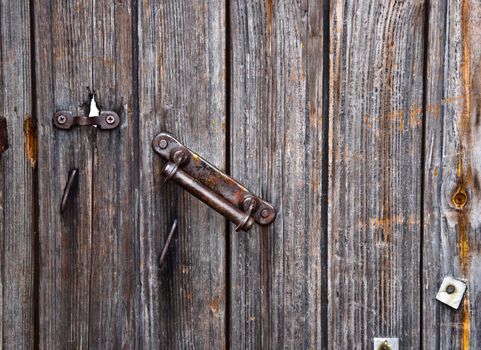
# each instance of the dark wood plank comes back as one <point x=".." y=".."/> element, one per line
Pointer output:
<point x="181" y="90"/>
<point x="277" y="288"/>
<point x="375" y="147"/>
<point x="452" y="231"/>
<point x="64" y="56"/>
<point x="113" y="294"/>
<point x="17" y="172"/>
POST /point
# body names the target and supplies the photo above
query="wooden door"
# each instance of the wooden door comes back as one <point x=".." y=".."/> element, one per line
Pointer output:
<point x="358" y="120"/>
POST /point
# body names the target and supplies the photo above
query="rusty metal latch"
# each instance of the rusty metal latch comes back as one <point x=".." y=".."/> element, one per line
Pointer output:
<point x="210" y="185"/>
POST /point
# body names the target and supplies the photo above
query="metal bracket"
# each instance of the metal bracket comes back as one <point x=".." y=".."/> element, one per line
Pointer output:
<point x="107" y="120"/>
<point x="386" y="344"/>
<point x="451" y="292"/>
<point x="211" y="185"/>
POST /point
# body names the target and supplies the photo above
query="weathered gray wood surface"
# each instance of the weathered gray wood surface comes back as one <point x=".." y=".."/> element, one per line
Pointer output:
<point x="375" y="147"/>
<point x="182" y="90"/>
<point x="317" y="106"/>
<point x="114" y="268"/>
<point x="277" y="273"/>
<point x="452" y="195"/>
<point x="17" y="170"/>
<point x="88" y="270"/>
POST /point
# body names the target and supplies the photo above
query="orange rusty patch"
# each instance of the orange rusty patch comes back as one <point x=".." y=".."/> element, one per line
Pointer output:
<point x="31" y="144"/>
<point x="463" y="226"/>
<point x="269" y="11"/>
<point x="460" y="199"/>
<point x="214" y="305"/>
<point x="466" y="326"/>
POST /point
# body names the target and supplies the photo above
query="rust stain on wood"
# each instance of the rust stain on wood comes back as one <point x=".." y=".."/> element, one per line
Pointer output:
<point x="460" y="197"/>
<point x="415" y="113"/>
<point x="31" y="145"/>
<point x="269" y="16"/>
<point x="466" y="324"/>
<point x="214" y="305"/>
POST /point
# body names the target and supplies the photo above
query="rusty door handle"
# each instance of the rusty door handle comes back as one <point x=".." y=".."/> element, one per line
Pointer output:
<point x="211" y="185"/>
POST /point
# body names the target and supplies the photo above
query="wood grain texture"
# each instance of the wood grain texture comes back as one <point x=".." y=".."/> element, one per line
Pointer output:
<point x="452" y="228"/>
<point x="276" y="273"/>
<point x="64" y="56"/>
<point x="114" y="268"/>
<point x="17" y="202"/>
<point x="375" y="147"/>
<point x="181" y="90"/>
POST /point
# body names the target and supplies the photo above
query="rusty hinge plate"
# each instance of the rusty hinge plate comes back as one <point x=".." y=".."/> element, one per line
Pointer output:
<point x="201" y="171"/>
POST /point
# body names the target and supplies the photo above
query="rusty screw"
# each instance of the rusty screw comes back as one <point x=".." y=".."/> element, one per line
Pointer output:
<point x="110" y="119"/>
<point x="163" y="143"/>
<point x="450" y="289"/>
<point x="61" y="119"/>
<point x="265" y="213"/>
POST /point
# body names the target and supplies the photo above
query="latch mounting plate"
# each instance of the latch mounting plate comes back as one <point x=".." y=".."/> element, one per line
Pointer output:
<point x="107" y="120"/>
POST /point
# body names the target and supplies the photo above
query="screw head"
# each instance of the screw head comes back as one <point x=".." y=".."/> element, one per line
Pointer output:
<point x="163" y="143"/>
<point x="265" y="213"/>
<point x="61" y="119"/>
<point x="450" y="289"/>
<point x="385" y="346"/>
<point x="110" y="119"/>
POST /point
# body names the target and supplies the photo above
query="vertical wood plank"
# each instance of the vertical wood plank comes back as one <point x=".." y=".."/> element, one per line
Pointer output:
<point x="113" y="294"/>
<point x="375" y="143"/>
<point x="181" y="90"/>
<point x="276" y="273"/>
<point x="17" y="205"/>
<point x="63" y="72"/>
<point x="452" y="195"/>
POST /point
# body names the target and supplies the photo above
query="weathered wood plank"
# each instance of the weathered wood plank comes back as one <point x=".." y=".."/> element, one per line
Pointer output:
<point x="113" y="295"/>
<point x="277" y="285"/>
<point x="452" y="228"/>
<point x="64" y="55"/>
<point x="17" y="179"/>
<point x="181" y="90"/>
<point x="375" y="143"/>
